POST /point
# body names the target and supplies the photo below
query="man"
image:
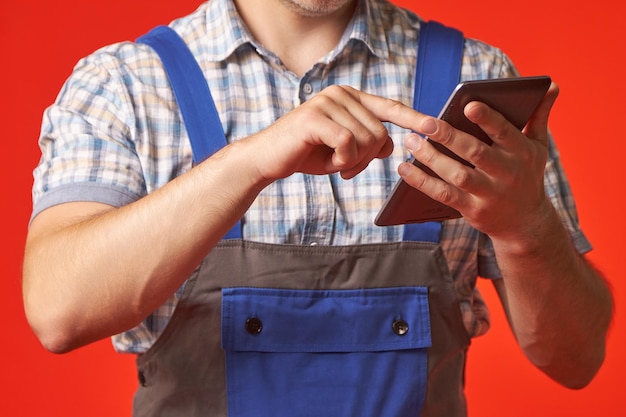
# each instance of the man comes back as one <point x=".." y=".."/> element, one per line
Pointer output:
<point x="313" y="97"/>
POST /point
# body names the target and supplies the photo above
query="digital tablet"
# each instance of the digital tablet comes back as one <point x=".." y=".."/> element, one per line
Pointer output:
<point x="515" y="98"/>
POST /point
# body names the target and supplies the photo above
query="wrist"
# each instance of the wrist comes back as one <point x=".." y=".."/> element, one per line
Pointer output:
<point x="535" y="233"/>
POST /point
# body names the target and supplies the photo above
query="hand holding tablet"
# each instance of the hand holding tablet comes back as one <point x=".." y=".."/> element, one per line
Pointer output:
<point x="515" y="98"/>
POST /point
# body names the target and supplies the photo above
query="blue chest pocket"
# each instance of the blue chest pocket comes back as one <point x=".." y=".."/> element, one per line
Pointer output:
<point x="330" y="353"/>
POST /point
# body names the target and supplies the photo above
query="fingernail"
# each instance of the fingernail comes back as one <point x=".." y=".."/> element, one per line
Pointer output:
<point x="413" y="142"/>
<point x="404" y="169"/>
<point x="429" y="127"/>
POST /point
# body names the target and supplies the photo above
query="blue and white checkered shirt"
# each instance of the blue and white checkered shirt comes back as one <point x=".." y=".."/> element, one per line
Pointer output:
<point x="115" y="134"/>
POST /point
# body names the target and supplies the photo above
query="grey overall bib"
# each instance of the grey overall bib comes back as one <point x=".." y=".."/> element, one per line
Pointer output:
<point x="266" y="330"/>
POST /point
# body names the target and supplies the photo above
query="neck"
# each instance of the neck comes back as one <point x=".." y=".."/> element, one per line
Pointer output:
<point x="298" y="38"/>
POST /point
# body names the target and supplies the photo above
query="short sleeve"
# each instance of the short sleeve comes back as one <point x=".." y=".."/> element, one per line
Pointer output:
<point x="86" y="141"/>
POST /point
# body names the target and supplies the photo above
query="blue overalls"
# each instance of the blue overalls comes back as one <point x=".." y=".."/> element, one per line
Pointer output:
<point x="327" y="331"/>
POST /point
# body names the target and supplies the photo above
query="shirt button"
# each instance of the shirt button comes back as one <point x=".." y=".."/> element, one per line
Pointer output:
<point x="307" y="88"/>
<point x="254" y="325"/>
<point x="400" y="327"/>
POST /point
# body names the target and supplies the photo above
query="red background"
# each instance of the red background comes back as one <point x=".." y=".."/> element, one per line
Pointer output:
<point x="580" y="45"/>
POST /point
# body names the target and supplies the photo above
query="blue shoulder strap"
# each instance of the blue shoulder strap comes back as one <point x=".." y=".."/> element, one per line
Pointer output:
<point x="440" y="52"/>
<point x="438" y="69"/>
<point x="437" y="73"/>
<point x="191" y="91"/>
<point x="192" y="95"/>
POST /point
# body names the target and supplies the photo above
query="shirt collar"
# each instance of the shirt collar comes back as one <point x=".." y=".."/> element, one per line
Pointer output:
<point x="366" y="26"/>
<point x="230" y="31"/>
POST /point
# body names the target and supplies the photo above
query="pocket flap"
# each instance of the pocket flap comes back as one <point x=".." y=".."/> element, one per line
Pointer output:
<point x="364" y="320"/>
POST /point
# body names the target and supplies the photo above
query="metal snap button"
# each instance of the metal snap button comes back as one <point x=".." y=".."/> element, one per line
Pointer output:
<point x="400" y="327"/>
<point x="254" y="325"/>
<point x="142" y="379"/>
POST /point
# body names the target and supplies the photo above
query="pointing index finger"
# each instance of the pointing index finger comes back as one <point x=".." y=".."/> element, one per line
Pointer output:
<point x="393" y="111"/>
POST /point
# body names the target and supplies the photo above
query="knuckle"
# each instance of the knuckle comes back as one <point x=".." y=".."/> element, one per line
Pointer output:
<point x="395" y="105"/>
<point x="460" y="178"/>
<point x="333" y="88"/>
<point x="365" y="139"/>
<point x="443" y="193"/>
<point x="344" y="136"/>
<point x="336" y="90"/>
<point x="505" y="132"/>
<point x="380" y="132"/>
<point x="323" y="100"/>
<point x="426" y="156"/>
<point x="394" y="108"/>
<point x="445" y="135"/>
<point x="418" y="179"/>
<point x="477" y="154"/>
<point x="475" y="212"/>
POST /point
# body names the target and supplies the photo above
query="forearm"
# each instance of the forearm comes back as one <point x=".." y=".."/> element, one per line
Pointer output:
<point x="87" y="277"/>
<point x="90" y="276"/>
<point x="558" y="305"/>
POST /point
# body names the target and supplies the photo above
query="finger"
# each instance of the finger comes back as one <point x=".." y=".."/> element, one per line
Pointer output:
<point x="501" y="130"/>
<point x="455" y="143"/>
<point x="537" y="126"/>
<point x="364" y="138"/>
<point x="335" y="128"/>
<point x="433" y="187"/>
<point x="333" y="143"/>
<point x="386" y="150"/>
<point x="389" y="110"/>
<point x="460" y="143"/>
<point x="453" y="172"/>
<point x="495" y="125"/>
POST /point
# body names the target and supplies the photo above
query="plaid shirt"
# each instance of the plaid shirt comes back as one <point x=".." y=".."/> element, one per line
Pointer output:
<point x="115" y="134"/>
